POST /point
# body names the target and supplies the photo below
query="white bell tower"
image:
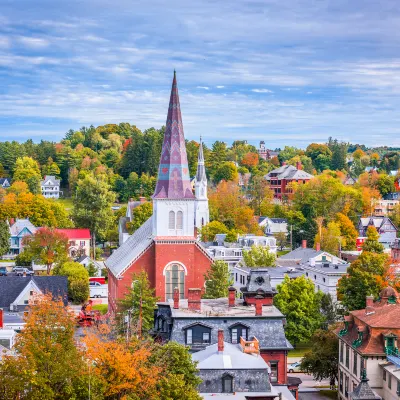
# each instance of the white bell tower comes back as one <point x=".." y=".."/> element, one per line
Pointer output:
<point x="202" y="214"/>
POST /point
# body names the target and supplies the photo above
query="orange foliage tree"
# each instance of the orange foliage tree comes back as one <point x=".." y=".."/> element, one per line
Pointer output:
<point x="250" y="160"/>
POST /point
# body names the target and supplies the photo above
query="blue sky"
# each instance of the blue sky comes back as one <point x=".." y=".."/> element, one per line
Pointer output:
<point x="287" y="72"/>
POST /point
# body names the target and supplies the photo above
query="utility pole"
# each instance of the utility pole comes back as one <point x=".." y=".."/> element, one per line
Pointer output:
<point x="291" y="237"/>
<point x="128" y="326"/>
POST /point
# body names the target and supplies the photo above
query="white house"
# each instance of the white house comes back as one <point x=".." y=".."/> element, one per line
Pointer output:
<point x="5" y="183"/>
<point x="50" y="187"/>
<point x="273" y="226"/>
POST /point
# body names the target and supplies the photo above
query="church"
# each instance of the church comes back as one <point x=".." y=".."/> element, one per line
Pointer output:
<point x="166" y="246"/>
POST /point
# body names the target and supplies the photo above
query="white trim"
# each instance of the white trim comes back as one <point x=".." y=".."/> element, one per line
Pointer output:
<point x="174" y="262"/>
<point x="31" y="284"/>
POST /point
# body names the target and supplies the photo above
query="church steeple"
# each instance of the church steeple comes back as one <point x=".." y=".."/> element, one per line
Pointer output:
<point x="201" y="170"/>
<point x="173" y="173"/>
<point x="202" y="214"/>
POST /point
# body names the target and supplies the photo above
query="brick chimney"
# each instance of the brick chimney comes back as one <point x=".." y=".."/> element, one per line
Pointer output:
<point x="176" y="298"/>
<point x="194" y="299"/>
<point x="299" y="165"/>
<point x="220" y="340"/>
<point x="259" y="303"/>
<point x="284" y="163"/>
<point x="369" y="301"/>
<point x="1" y="319"/>
<point x="231" y="296"/>
<point x="304" y="244"/>
<point x="317" y="246"/>
<point x="142" y="199"/>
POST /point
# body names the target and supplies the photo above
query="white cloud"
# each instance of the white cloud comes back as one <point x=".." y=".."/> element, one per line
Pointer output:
<point x="203" y="87"/>
<point x="32" y="42"/>
<point x="262" y="91"/>
<point x="220" y="87"/>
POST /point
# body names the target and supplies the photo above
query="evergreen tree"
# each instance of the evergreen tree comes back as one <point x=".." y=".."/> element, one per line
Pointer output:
<point x="372" y="244"/>
<point x="4" y="237"/>
<point x="218" y="279"/>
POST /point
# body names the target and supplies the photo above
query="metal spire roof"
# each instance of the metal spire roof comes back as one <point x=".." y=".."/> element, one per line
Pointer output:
<point x="173" y="173"/>
<point x="201" y="170"/>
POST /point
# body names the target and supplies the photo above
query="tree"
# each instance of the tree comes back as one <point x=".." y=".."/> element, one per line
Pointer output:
<point x="330" y="237"/>
<point x="347" y="231"/>
<point x="27" y="170"/>
<point x="298" y="301"/>
<point x="339" y="153"/>
<point x="36" y="370"/>
<point x="259" y="256"/>
<point x="18" y="187"/>
<point x="208" y="232"/>
<point x="329" y="309"/>
<point x="385" y="184"/>
<point x="281" y="239"/>
<point x="141" y="302"/>
<point x="227" y="171"/>
<point x="218" y="279"/>
<point x="4" y="237"/>
<point x="47" y="246"/>
<point x="372" y="244"/>
<point x="92" y="206"/>
<point x="260" y="193"/>
<point x="321" y="156"/>
<point x="218" y="156"/>
<point x="322" y="361"/>
<point x="140" y="215"/>
<point x="78" y="277"/>
<point x="250" y="160"/>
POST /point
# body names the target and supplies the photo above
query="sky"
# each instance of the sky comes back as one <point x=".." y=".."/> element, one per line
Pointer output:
<point x="287" y="72"/>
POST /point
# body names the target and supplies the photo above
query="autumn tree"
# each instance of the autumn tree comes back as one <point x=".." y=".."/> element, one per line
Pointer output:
<point x="347" y="231"/>
<point x="140" y="301"/>
<point x="36" y="370"/>
<point x="298" y="301"/>
<point x="260" y="193"/>
<point x="18" y="187"/>
<point x="4" y="237"/>
<point x="250" y="160"/>
<point x="259" y="256"/>
<point x="27" y="170"/>
<point x="208" y="232"/>
<point x="281" y="239"/>
<point x="140" y="215"/>
<point x="218" y="279"/>
<point x="330" y="238"/>
<point x="78" y="277"/>
<point x="227" y="171"/>
<point x="47" y="246"/>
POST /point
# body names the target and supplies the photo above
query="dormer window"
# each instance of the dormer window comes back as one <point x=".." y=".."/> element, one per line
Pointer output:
<point x="227" y="383"/>
<point x="196" y="334"/>
<point x="238" y="331"/>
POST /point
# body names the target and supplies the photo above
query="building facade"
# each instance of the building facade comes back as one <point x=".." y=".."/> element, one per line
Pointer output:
<point x="78" y="240"/>
<point x="385" y="227"/>
<point x="166" y="245"/>
<point x="50" y="187"/>
<point x="18" y="230"/>
<point x="265" y="153"/>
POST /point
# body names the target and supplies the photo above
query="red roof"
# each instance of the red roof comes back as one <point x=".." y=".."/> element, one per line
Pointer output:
<point x="75" y="233"/>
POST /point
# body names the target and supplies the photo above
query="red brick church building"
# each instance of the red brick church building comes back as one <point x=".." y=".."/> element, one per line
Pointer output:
<point x="165" y="246"/>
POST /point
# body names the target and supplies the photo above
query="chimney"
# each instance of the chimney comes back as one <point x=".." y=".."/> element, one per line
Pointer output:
<point x="194" y="299"/>
<point x="369" y="301"/>
<point x="24" y="274"/>
<point x="304" y="244"/>
<point x="299" y="165"/>
<point x="1" y="319"/>
<point x="142" y="199"/>
<point x="259" y="303"/>
<point x="231" y="296"/>
<point x="284" y="163"/>
<point x="176" y="298"/>
<point x="220" y="340"/>
<point x="318" y="246"/>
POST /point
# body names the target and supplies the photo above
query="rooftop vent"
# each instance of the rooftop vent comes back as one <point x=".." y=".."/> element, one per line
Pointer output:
<point x="326" y="265"/>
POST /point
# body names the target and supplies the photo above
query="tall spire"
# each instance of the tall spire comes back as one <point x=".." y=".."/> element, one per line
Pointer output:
<point x="173" y="173"/>
<point x="201" y="170"/>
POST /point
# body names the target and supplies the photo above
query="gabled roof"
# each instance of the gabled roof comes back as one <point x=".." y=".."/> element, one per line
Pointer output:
<point x="50" y="180"/>
<point x="377" y="222"/>
<point x="3" y="181"/>
<point x="173" y="180"/>
<point x="289" y="172"/>
<point x="301" y="254"/>
<point x="12" y="286"/>
<point x="75" y="233"/>
<point x="131" y="249"/>
<point x="19" y="225"/>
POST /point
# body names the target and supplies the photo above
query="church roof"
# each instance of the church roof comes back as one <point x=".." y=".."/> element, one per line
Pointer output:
<point x="363" y="391"/>
<point x="201" y="170"/>
<point x="173" y="174"/>
<point x="131" y="249"/>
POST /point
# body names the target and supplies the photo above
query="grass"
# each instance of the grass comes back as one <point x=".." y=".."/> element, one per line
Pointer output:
<point x="282" y="252"/>
<point x="103" y="308"/>
<point x="300" y="350"/>
<point x="332" y="394"/>
<point x="67" y="203"/>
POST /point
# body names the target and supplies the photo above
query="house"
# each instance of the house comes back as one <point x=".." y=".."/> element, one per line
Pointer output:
<point x="273" y="226"/>
<point x="383" y="207"/>
<point x="390" y="380"/>
<point x="280" y="178"/>
<point x="17" y="291"/>
<point x="368" y="340"/>
<point x="232" y="369"/>
<point x="18" y="230"/>
<point x="5" y="183"/>
<point x="252" y="321"/>
<point x="395" y="251"/>
<point x="385" y="227"/>
<point x="50" y="187"/>
<point x="78" y="239"/>
<point x="350" y="181"/>
<point x="265" y="153"/>
<point x="123" y="221"/>
<point x="166" y="245"/>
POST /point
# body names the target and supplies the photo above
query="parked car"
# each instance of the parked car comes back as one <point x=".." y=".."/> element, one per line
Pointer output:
<point x="94" y="284"/>
<point x="294" y="367"/>
<point x="3" y="271"/>
<point x="20" y="271"/>
<point x="98" y="290"/>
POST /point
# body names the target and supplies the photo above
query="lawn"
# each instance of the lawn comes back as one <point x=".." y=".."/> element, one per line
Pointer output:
<point x="332" y="394"/>
<point x="103" y="308"/>
<point x="300" y="350"/>
<point x="67" y="203"/>
<point x="282" y="252"/>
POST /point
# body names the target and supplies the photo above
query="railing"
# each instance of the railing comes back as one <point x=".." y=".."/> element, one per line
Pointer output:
<point x="250" y="346"/>
<point x="392" y="355"/>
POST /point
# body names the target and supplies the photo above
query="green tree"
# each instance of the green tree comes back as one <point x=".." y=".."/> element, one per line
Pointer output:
<point x="321" y="156"/>
<point x="140" y="302"/>
<point x="289" y="152"/>
<point x="259" y="256"/>
<point x="322" y="361"/>
<point x="140" y="215"/>
<point x="372" y="244"/>
<point x="281" y="239"/>
<point x="298" y="301"/>
<point x="78" y="278"/>
<point x="181" y="380"/>
<point x="260" y="193"/>
<point x="329" y="238"/>
<point x="208" y="232"/>
<point x="218" y="279"/>
<point x="27" y="170"/>
<point x="339" y="153"/>
<point x="227" y="171"/>
<point x="218" y="156"/>
<point x="47" y="246"/>
<point x="329" y="309"/>
<point x="4" y="237"/>
<point x="385" y="184"/>
<point x="92" y="206"/>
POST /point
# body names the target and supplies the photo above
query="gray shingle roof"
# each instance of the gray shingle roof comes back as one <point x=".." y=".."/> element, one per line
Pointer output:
<point x="12" y="286"/>
<point x="50" y="180"/>
<point x="363" y="391"/>
<point x="131" y="249"/>
<point x="288" y="172"/>
<point x="302" y="254"/>
<point x="20" y="225"/>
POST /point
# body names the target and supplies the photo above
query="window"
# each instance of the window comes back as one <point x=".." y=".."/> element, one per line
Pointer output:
<point x="347" y="355"/>
<point x="171" y="223"/>
<point x="227" y="384"/>
<point x="274" y="371"/>
<point x="82" y="243"/>
<point x="346" y="386"/>
<point x="174" y="277"/>
<point x="384" y="375"/>
<point x="398" y="388"/>
<point x="315" y="277"/>
<point x="189" y="336"/>
<point x="324" y="279"/>
<point x="206" y="337"/>
<point x="31" y="293"/>
<point x="198" y="334"/>
<point x="26" y="301"/>
<point x="179" y="220"/>
<point x="341" y="382"/>
<point x="236" y="278"/>
<point x="341" y="351"/>
<point x="238" y="331"/>
<point x="389" y="381"/>
<point x="355" y="364"/>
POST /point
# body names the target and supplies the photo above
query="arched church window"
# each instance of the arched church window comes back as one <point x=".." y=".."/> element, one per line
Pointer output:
<point x="202" y="222"/>
<point x="174" y="277"/>
<point x="179" y="220"/>
<point x="171" y="223"/>
<point x="202" y="191"/>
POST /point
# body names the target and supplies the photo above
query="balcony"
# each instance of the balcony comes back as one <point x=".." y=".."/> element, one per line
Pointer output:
<point x="393" y="356"/>
<point x="250" y="346"/>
